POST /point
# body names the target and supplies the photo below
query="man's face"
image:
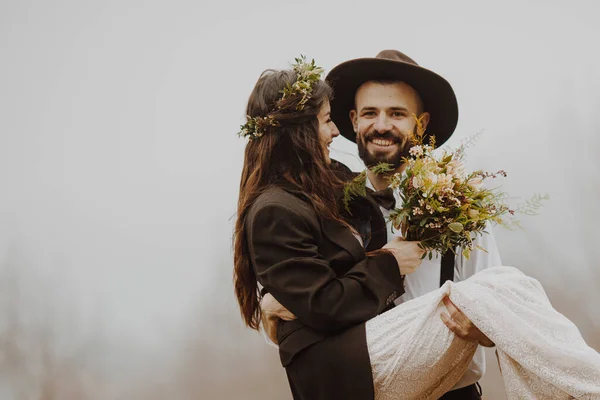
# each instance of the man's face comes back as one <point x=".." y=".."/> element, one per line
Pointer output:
<point x="383" y="121"/>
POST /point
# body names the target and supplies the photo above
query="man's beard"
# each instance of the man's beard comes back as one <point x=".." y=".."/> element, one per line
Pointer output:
<point x="395" y="158"/>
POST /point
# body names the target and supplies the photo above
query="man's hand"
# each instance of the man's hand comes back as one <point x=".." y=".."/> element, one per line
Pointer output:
<point x="271" y="312"/>
<point x="462" y="326"/>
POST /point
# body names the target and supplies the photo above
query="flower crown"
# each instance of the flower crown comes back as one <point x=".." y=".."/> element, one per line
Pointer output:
<point x="307" y="75"/>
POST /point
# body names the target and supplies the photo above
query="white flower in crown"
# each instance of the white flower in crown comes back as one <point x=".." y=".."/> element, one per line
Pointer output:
<point x="307" y="74"/>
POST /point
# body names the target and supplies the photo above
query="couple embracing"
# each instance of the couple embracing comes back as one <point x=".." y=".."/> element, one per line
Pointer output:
<point x="355" y="311"/>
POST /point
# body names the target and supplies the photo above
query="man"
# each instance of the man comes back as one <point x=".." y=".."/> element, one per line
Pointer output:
<point x="374" y="106"/>
<point x="375" y="99"/>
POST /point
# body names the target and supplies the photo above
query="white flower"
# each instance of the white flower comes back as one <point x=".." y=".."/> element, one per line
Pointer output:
<point x="416" y="151"/>
<point x="431" y="179"/>
<point x="428" y="161"/>
<point x="473" y="213"/>
<point x="475" y="182"/>
<point x="455" y="167"/>
<point x="417" y="182"/>
<point x="445" y="180"/>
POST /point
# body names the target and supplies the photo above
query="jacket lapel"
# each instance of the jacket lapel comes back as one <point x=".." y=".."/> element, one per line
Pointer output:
<point x="339" y="234"/>
<point x="335" y="231"/>
<point x="378" y="225"/>
<point x="367" y="210"/>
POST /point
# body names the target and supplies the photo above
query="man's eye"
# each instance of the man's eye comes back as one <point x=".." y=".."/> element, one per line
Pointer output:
<point x="397" y="114"/>
<point x="328" y="120"/>
<point x="368" y="114"/>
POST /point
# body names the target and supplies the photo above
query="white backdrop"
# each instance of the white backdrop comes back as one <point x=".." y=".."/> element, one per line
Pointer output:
<point x="119" y="169"/>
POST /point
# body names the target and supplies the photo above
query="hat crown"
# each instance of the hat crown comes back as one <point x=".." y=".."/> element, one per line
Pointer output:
<point x="395" y="55"/>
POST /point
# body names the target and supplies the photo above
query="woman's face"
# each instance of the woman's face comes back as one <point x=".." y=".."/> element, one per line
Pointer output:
<point x="327" y="129"/>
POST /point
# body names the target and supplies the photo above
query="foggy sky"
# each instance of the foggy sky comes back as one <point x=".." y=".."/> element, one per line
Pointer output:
<point x="120" y="165"/>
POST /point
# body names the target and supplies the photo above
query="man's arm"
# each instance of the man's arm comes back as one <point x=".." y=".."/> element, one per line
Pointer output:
<point x="271" y="312"/>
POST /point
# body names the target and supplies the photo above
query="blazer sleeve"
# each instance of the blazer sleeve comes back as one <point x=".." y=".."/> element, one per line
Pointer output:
<point x="285" y="255"/>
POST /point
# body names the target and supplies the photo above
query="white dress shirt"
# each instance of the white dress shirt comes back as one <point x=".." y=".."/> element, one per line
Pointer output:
<point x="427" y="278"/>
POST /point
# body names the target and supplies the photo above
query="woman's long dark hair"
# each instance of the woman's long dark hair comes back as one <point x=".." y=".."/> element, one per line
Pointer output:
<point x="291" y="150"/>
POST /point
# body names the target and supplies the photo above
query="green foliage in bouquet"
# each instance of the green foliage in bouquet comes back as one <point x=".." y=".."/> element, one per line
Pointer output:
<point x="443" y="207"/>
<point x="357" y="187"/>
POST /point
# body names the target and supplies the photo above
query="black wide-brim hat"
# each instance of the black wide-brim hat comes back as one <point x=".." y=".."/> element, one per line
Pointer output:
<point x="391" y="65"/>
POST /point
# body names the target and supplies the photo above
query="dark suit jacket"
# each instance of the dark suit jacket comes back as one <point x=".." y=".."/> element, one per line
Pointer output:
<point x="318" y="270"/>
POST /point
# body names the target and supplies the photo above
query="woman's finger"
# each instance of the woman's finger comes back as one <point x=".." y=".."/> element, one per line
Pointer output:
<point x="452" y="325"/>
<point x="286" y="315"/>
<point x="455" y="313"/>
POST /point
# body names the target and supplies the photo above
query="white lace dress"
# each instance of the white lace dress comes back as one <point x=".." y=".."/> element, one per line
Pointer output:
<point x="541" y="353"/>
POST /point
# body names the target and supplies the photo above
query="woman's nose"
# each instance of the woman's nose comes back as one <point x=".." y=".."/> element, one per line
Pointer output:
<point x="335" y="132"/>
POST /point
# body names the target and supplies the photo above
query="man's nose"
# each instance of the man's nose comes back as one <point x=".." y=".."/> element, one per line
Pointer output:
<point x="382" y="124"/>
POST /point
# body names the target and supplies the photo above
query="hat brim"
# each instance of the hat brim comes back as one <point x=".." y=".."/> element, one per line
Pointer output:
<point x="436" y="93"/>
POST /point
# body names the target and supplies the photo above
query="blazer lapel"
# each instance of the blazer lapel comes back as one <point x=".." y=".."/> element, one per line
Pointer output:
<point x="378" y="225"/>
<point x="343" y="237"/>
<point x="366" y="209"/>
<point x="335" y="231"/>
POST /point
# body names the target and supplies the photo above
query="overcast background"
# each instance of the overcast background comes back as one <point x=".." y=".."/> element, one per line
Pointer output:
<point x="120" y="164"/>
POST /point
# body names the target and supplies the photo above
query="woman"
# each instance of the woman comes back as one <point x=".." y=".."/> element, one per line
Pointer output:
<point x="291" y="238"/>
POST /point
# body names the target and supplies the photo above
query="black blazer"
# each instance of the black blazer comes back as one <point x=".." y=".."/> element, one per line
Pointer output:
<point x="319" y="271"/>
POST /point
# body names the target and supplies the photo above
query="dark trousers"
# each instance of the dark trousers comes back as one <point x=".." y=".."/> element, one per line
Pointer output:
<point x="472" y="392"/>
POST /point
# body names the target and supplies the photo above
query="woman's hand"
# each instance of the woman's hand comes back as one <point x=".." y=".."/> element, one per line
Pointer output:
<point x="462" y="326"/>
<point x="407" y="253"/>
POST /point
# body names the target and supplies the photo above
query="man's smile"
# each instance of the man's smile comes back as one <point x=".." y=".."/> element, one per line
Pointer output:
<point x="383" y="142"/>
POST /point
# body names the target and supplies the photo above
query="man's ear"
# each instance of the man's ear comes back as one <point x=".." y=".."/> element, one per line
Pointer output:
<point x="354" y="118"/>
<point x="424" y="117"/>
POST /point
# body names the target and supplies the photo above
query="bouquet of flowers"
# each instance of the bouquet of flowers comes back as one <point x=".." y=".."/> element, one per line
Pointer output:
<point x="444" y="207"/>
